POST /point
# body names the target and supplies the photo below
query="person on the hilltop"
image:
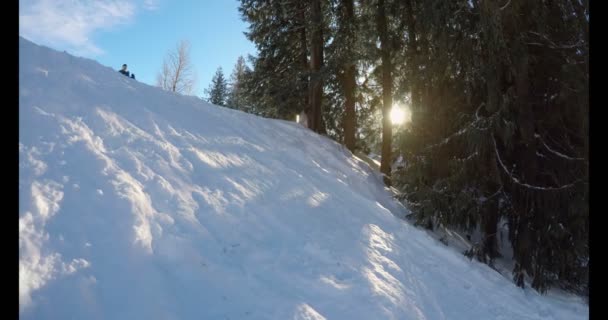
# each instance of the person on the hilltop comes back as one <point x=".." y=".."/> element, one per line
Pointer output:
<point x="124" y="70"/>
<point x="133" y="76"/>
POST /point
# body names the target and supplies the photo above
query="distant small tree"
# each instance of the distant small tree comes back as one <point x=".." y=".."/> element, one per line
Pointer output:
<point x="217" y="93"/>
<point x="177" y="73"/>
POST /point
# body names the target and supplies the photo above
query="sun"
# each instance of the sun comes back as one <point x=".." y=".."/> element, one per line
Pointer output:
<point x="400" y="115"/>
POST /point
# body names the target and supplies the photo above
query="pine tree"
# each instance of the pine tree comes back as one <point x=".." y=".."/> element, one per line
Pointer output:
<point x="217" y="93"/>
<point x="345" y="53"/>
<point x="237" y="91"/>
<point x="502" y="82"/>
<point x="499" y="100"/>
<point x="387" y="87"/>
<point x="280" y="76"/>
<point x="315" y="114"/>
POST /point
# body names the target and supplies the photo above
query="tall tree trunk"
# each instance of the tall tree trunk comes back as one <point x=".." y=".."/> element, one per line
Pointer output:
<point x="387" y="84"/>
<point x="350" y="116"/>
<point x="316" y="59"/>
<point x="412" y="60"/>
<point x="301" y="16"/>
<point x="413" y="66"/>
<point x="504" y="28"/>
<point x="349" y="82"/>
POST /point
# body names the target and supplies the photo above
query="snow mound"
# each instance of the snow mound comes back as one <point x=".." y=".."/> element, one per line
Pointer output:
<point x="136" y="203"/>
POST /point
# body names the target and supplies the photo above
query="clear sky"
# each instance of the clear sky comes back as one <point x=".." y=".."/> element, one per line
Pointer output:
<point x="140" y="32"/>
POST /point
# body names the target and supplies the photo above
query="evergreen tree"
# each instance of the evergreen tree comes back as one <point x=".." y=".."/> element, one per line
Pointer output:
<point x="217" y="93"/>
<point x="280" y="75"/>
<point x="387" y="87"/>
<point x="503" y="82"/>
<point x="237" y="94"/>
<point x="499" y="101"/>
<point x="343" y="52"/>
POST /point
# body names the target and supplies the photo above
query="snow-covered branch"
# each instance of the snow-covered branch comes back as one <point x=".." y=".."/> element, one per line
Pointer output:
<point x="483" y="199"/>
<point x="477" y="118"/>
<point x="553" y="45"/>
<point x="557" y="153"/>
<point x="446" y="140"/>
<point x="462" y="131"/>
<point x="506" y="5"/>
<point x="529" y="186"/>
<point x="471" y="156"/>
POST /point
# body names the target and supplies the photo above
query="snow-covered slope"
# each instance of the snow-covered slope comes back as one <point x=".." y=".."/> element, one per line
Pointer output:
<point x="141" y="204"/>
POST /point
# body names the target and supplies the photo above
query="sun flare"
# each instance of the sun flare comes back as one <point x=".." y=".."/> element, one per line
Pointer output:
<point x="400" y="115"/>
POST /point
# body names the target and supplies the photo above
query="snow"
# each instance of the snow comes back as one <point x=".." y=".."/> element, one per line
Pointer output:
<point x="137" y="203"/>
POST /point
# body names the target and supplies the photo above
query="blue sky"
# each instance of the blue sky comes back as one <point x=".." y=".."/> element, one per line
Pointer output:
<point x="140" y="32"/>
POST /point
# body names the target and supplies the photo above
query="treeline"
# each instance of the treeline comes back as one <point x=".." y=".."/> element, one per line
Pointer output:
<point x="498" y="92"/>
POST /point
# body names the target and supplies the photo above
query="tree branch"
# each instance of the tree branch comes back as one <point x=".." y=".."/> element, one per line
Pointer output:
<point x="525" y="185"/>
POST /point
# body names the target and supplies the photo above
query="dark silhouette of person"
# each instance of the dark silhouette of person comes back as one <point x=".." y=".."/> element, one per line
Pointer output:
<point x="124" y="70"/>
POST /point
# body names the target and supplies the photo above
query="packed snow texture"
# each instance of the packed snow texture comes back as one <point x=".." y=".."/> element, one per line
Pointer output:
<point x="136" y="203"/>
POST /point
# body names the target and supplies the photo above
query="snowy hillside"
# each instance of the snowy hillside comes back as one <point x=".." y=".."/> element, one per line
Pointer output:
<point x="136" y="203"/>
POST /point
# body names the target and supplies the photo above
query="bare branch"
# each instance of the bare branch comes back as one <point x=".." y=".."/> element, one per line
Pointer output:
<point x="177" y="74"/>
